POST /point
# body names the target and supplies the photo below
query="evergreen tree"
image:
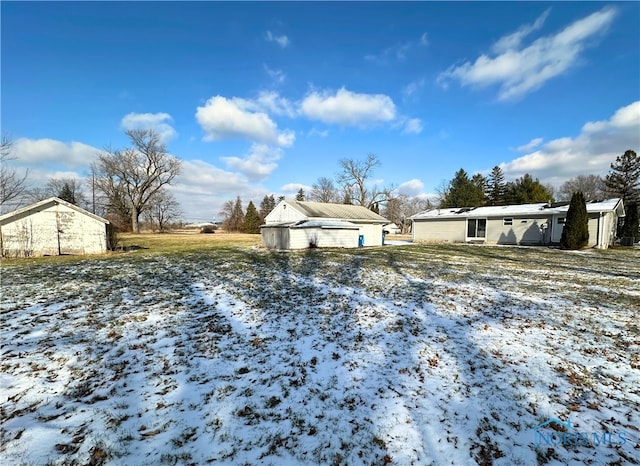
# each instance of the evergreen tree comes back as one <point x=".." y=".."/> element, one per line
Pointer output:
<point x="624" y="179"/>
<point x="252" y="220"/>
<point x="347" y="198"/>
<point x="237" y="216"/>
<point x="575" y="234"/>
<point x="496" y="187"/>
<point x="267" y="205"/>
<point x="300" y="195"/>
<point x="526" y="190"/>
<point x="479" y="187"/>
<point x="464" y="192"/>
<point x="631" y="223"/>
<point x="66" y="193"/>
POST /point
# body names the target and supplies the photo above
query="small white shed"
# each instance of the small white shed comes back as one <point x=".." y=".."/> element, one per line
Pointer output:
<point x="310" y="234"/>
<point x="52" y="227"/>
<point x="328" y="225"/>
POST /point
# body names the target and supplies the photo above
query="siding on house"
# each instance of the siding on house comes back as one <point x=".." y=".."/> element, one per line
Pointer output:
<point x="527" y="224"/>
<point x="52" y="227"/>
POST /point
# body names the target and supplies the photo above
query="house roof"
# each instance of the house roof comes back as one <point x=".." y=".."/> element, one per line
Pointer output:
<point x="322" y="224"/>
<point x="41" y="205"/>
<point x="608" y="205"/>
<point x="337" y="211"/>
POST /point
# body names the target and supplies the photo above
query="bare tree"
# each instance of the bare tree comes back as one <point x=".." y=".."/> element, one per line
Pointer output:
<point x="226" y="213"/>
<point x="135" y="174"/>
<point x="12" y="184"/>
<point x="401" y="207"/>
<point x="162" y="209"/>
<point x="592" y="186"/>
<point x="355" y="178"/>
<point x="324" y="190"/>
<point x="68" y="189"/>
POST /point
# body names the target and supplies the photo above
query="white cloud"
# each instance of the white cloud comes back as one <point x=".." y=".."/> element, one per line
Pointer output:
<point x="202" y="189"/>
<point x="413" y="87"/>
<point x="155" y="121"/>
<point x="258" y="164"/>
<point x="222" y="118"/>
<point x="412" y="187"/>
<point x="591" y="152"/>
<point x="512" y="41"/>
<point x="348" y="108"/>
<point x="518" y="70"/>
<point x="413" y="126"/>
<point x="317" y="132"/>
<point x="277" y="76"/>
<point x="50" y="151"/>
<point x="397" y="52"/>
<point x="271" y="101"/>
<point x="282" y="41"/>
<point x="293" y="188"/>
<point x="530" y="145"/>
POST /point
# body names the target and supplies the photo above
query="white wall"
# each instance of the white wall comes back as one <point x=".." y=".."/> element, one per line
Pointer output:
<point x="283" y="213"/>
<point x="372" y="233"/>
<point x="52" y="231"/>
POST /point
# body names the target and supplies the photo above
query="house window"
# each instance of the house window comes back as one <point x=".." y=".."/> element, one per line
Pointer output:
<point x="507" y="221"/>
<point x="476" y="227"/>
<point x="561" y="220"/>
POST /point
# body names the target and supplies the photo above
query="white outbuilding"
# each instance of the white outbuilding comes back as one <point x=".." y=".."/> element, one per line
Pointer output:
<point x="300" y="225"/>
<point x="52" y="227"/>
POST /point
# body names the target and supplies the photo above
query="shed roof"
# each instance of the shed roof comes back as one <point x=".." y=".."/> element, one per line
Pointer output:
<point x="337" y="211"/>
<point x="607" y="205"/>
<point x="41" y="205"/>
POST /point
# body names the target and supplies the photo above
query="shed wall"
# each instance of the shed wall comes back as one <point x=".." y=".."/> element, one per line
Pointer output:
<point x="302" y="238"/>
<point x="283" y="213"/>
<point x="52" y="231"/>
<point x="275" y="238"/>
<point x="372" y="234"/>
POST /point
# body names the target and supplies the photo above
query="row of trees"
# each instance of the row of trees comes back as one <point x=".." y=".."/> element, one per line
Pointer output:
<point x="237" y="220"/>
<point x="125" y="185"/>
<point x="463" y="191"/>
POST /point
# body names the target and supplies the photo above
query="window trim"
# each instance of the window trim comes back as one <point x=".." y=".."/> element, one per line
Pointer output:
<point x="507" y="221"/>
<point x="476" y="238"/>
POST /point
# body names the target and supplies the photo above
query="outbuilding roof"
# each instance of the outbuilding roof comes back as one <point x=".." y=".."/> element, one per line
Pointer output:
<point x="337" y="211"/>
<point x="607" y="205"/>
<point x="44" y="204"/>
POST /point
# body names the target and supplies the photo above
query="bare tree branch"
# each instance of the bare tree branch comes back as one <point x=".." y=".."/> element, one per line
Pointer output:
<point x="12" y="184"/>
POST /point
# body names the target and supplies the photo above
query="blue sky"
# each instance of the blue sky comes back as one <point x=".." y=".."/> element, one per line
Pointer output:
<point x="261" y="98"/>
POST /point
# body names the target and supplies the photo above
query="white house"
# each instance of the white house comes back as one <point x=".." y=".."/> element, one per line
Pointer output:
<point x="527" y="224"/>
<point x="299" y="225"/>
<point x="52" y="227"/>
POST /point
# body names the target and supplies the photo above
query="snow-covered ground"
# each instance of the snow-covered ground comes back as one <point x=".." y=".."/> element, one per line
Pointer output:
<point x="407" y="355"/>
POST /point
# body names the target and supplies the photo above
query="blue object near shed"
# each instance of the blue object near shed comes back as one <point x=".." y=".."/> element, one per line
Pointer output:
<point x="360" y="241"/>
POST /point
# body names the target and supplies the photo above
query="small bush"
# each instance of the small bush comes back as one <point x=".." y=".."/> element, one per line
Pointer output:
<point x="208" y="229"/>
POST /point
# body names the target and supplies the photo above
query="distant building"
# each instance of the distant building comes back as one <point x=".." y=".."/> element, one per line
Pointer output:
<point x="300" y="225"/>
<point x="52" y="227"/>
<point x="526" y="224"/>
